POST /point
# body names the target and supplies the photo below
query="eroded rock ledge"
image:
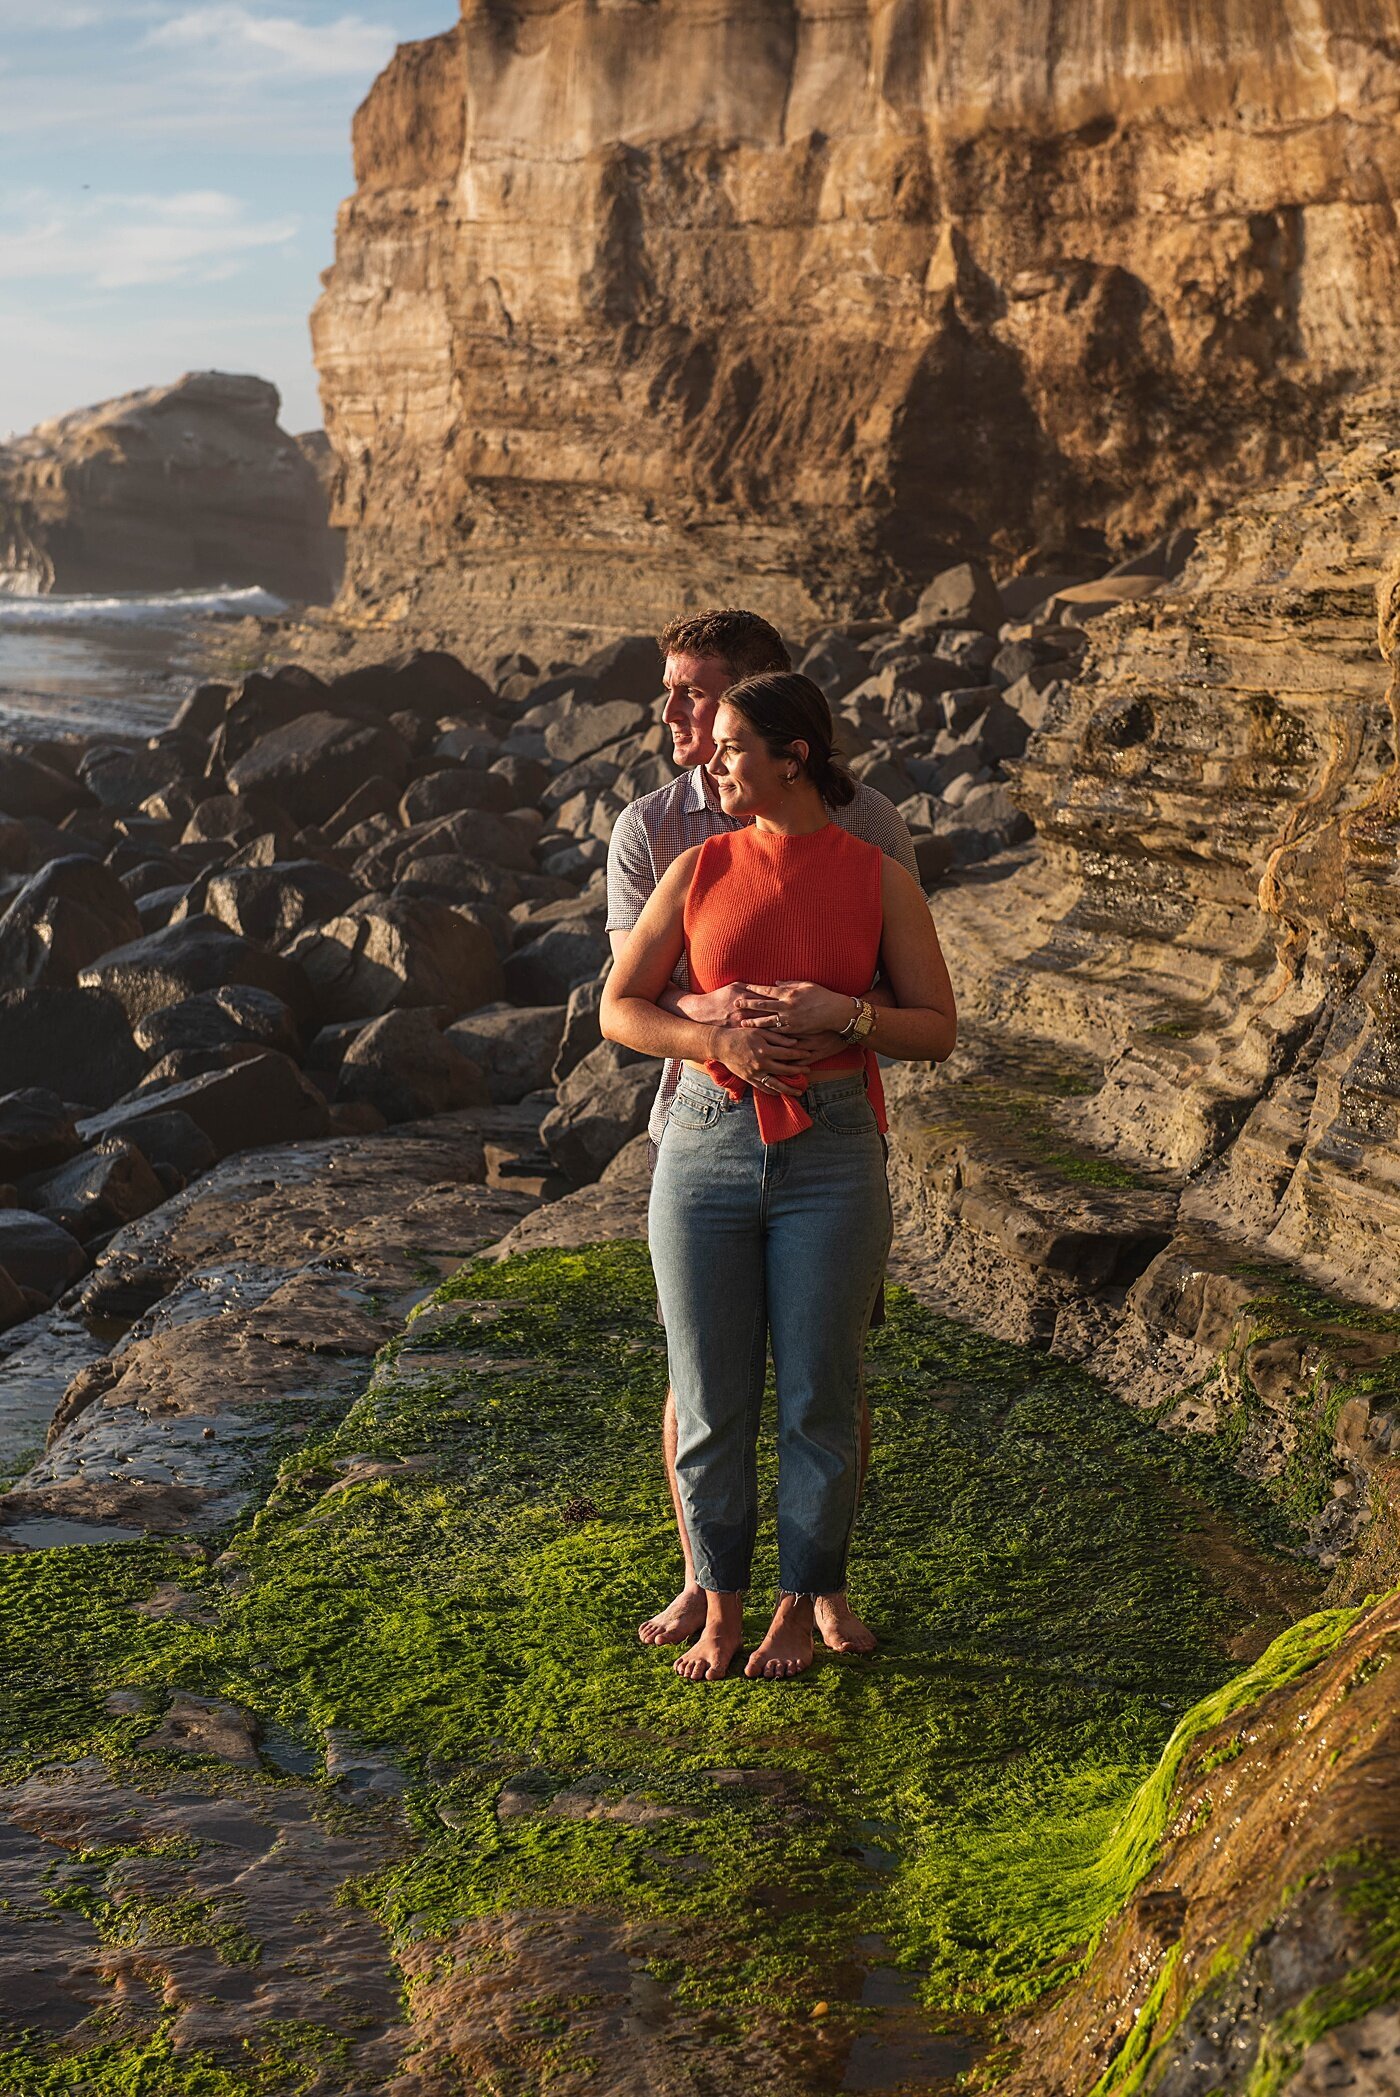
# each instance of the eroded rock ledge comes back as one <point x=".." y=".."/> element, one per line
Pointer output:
<point x="648" y="307"/>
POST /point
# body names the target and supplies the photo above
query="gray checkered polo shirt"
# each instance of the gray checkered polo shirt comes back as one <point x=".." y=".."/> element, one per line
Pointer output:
<point x="652" y="831"/>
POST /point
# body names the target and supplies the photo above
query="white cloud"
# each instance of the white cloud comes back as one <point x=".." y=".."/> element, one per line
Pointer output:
<point x="228" y="34"/>
<point x="115" y="242"/>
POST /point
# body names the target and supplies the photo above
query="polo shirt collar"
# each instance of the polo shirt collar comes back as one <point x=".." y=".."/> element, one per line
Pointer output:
<point x="698" y="801"/>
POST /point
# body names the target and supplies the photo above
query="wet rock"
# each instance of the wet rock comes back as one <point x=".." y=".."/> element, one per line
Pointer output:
<point x="38" y="1253"/>
<point x="272" y="904"/>
<point x="399" y="951"/>
<point x="205" y="1726"/>
<point x="312" y="763"/>
<point x="514" y="1045"/>
<point x="405" y="1066"/>
<point x="65" y="916"/>
<point x="601" y="1108"/>
<point x="36" y="1131"/>
<point x="99" y="1191"/>
<point x="197" y="954"/>
<point x="456" y="787"/>
<point x="78" y="1041"/>
<point x="546" y="968"/>
<point x="218" y="1019"/>
<point x="263" y="1099"/>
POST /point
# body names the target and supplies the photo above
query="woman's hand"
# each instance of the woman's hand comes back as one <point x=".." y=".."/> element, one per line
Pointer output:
<point x="798" y="1008"/>
<point x="762" y="1056"/>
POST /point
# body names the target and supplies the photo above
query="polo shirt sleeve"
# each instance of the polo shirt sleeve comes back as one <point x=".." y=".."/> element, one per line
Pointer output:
<point x="879" y="822"/>
<point x="631" y="870"/>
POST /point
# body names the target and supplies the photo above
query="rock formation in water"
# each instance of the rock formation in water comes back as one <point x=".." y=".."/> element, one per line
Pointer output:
<point x="653" y="306"/>
<point x="169" y="489"/>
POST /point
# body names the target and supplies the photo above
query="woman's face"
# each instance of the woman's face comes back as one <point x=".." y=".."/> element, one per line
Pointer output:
<point x="749" y="780"/>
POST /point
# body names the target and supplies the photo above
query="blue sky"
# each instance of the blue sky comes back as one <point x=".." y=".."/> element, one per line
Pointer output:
<point x="169" y="176"/>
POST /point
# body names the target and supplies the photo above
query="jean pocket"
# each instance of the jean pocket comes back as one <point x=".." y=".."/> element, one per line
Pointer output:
<point x="848" y="1114"/>
<point x="688" y="1110"/>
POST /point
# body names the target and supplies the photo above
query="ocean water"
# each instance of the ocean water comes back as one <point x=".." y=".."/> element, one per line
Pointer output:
<point x="120" y="663"/>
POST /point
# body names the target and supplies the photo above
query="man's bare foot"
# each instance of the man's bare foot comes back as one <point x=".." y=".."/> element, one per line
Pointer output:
<point x="840" y="1628"/>
<point x="786" y="1649"/>
<point x="712" y="1655"/>
<point x="676" y="1623"/>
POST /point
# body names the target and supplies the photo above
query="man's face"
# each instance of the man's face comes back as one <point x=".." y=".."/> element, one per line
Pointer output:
<point x="695" y="685"/>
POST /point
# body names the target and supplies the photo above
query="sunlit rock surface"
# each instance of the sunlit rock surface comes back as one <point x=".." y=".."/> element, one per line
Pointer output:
<point x="652" y="306"/>
<point x="179" y="486"/>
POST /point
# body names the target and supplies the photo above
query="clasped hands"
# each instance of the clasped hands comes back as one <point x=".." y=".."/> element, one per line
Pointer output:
<point x="770" y="1034"/>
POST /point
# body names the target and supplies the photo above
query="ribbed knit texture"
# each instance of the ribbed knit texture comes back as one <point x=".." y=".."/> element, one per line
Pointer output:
<point x="769" y="909"/>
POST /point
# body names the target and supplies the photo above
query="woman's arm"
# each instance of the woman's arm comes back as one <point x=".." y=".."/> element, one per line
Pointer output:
<point x="915" y="1017"/>
<point x="632" y="1013"/>
<point x="922" y="1026"/>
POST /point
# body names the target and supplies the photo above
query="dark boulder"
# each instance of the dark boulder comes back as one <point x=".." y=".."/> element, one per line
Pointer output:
<point x="123" y="775"/>
<point x="78" y="1041"/>
<point x="588" y="728"/>
<point x="427" y="681"/>
<point x="219" y="1019"/>
<point x="527" y="778"/>
<point x="38" y="1253"/>
<point x="262" y="1100"/>
<point x="374" y="797"/>
<point x="203" y="711"/>
<point x="64" y="917"/>
<point x="99" y="1191"/>
<point x="29" y="788"/>
<point x="964" y="595"/>
<point x="197" y="954"/>
<point x="456" y="787"/>
<point x="461" y="881"/>
<point x="232" y="819"/>
<point x="405" y="1066"/>
<point x="36" y="1131"/>
<point x="399" y="951"/>
<point x="628" y="670"/>
<point x="603" y="1104"/>
<point x="514" y="1045"/>
<point x="545" y="970"/>
<point x="271" y="904"/>
<point x="175" y="1147"/>
<point x="312" y="763"/>
<point x="267" y="700"/>
<point x="582" y="1029"/>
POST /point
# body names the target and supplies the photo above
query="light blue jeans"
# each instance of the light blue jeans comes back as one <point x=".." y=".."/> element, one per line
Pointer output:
<point x="752" y="1242"/>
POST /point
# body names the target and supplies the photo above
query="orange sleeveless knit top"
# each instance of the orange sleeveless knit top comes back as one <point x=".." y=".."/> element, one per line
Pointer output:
<point x="762" y="908"/>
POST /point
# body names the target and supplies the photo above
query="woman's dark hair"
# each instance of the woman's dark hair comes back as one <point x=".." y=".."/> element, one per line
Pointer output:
<point x="785" y="707"/>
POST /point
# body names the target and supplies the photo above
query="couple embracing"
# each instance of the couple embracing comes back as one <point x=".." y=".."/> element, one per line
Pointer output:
<point x="771" y="941"/>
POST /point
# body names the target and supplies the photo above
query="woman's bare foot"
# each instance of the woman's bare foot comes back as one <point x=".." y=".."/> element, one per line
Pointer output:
<point x="840" y="1628"/>
<point x="786" y="1649"/>
<point x="678" y="1621"/>
<point x="712" y="1655"/>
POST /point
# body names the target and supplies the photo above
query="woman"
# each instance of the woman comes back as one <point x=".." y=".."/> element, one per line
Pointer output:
<point x="770" y="1215"/>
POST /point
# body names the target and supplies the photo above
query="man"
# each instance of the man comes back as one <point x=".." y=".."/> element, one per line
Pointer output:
<point x="704" y="655"/>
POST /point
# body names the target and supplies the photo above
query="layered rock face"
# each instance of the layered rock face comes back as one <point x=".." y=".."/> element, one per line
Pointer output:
<point x="652" y="306"/>
<point x="178" y="486"/>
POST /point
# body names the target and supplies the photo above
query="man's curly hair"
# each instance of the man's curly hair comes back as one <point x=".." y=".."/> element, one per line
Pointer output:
<point x="747" y="645"/>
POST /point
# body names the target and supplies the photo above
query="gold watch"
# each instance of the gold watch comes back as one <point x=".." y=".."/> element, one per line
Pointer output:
<point x="861" y="1023"/>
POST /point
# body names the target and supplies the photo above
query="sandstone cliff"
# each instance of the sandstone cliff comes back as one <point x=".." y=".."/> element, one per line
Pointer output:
<point x="178" y="486"/>
<point x="644" y="306"/>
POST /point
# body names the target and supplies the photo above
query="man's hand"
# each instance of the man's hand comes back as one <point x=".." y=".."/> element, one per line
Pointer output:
<point x="712" y="1008"/>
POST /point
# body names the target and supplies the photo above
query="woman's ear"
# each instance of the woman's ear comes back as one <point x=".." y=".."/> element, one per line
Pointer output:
<point x="801" y="751"/>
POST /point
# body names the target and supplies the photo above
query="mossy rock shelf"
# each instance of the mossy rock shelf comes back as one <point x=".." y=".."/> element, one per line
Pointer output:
<point x="876" y="1865"/>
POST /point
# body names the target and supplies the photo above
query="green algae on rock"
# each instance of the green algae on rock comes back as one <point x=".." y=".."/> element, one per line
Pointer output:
<point x="452" y="1577"/>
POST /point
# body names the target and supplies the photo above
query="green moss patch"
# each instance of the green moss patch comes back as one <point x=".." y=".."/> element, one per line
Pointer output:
<point x="974" y="1801"/>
